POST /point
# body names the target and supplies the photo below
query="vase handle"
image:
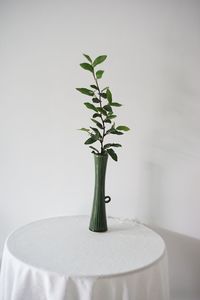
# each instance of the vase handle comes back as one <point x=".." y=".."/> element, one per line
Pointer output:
<point x="109" y="199"/>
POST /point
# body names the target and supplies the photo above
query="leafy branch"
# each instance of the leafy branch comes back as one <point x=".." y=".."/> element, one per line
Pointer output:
<point x="101" y="104"/>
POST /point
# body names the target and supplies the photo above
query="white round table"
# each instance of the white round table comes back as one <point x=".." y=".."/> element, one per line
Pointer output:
<point x="60" y="259"/>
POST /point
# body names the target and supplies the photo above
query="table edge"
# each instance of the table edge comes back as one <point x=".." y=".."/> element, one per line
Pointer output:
<point x="6" y="251"/>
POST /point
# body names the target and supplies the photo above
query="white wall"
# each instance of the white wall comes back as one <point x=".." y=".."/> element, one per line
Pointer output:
<point x="153" y="68"/>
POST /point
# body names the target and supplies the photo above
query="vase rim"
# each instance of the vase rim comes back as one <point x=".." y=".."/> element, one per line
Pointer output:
<point x="100" y="154"/>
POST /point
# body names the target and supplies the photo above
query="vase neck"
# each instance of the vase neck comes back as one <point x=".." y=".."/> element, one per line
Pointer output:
<point x="100" y="168"/>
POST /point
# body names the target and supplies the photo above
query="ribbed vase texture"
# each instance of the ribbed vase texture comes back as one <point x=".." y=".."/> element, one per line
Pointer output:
<point x="98" y="222"/>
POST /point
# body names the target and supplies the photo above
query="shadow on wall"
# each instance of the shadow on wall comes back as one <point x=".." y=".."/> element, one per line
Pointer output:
<point x="163" y="202"/>
<point x="184" y="264"/>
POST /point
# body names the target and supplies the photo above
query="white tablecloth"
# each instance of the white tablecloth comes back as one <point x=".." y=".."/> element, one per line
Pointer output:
<point x="60" y="259"/>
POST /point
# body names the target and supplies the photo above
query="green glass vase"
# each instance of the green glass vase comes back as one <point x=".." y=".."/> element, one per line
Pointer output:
<point x="98" y="222"/>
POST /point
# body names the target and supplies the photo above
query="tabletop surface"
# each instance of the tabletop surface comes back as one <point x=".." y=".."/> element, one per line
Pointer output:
<point x="65" y="245"/>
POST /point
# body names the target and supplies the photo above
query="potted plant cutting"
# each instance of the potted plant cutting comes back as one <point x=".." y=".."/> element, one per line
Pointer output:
<point x="101" y="105"/>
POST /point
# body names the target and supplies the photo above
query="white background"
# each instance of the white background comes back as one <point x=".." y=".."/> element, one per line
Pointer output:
<point x="153" y="68"/>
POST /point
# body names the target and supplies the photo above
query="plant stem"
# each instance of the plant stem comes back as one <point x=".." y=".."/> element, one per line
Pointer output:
<point x="100" y="104"/>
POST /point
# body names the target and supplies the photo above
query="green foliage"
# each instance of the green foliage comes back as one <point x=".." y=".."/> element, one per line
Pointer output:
<point x="97" y="123"/>
<point x="99" y="60"/>
<point x="123" y="128"/>
<point x="85" y="91"/>
<point x="90" y="106"/>
<point x="111" y="145"/>
<point x="104" y="89"/>
<point x="95" y="149"/>
<point x="102" y="111"/>
<point x="107" y="107"/>
<point x="87" y="67"/>
<point x="96" y="115"/>
<point x="109" y="96"/>
<point x="88" y="57"/>
<point x="103" y="114"/>
<point x="96" y="100"/>
<point x="96" y="131"/>
<point x="103" y="95"/>
<point x="85" y="129"/>
<point x="106" y="120"/>
<point x="92" y="139"/>
<point x="94" y="87"/>
<point x="112" y="153"/>
<point x="99" y="74"/>
<point x="114" y="131"/>
<point x="112" y="116"/>
<point x="116" y="104"/>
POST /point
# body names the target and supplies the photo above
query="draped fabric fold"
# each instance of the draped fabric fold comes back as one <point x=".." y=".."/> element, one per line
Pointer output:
<point x="26" y="276"/>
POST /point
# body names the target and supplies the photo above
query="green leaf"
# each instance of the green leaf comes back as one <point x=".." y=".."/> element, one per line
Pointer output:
<point x="102" y="111"/>
<point x="111" y="116"/>
<point x="103" y="95"/>
<point x="114" y="131"/>
<point x="85" y="91"/>
<point x="111" y="128"/>
<point x="112" y="145"/>
<point x="107" y="121"/>
<point x="97" y="123"/>
<point x="89" y="141"/>
<point x="92" y="139"/>
<point x="87" y="67"/>
<point x="117" y="132"/>
<point x="108" y="108"/>
<point x="107" y="87"/>
<point x="96" y="115"/>
<point x="96" y="131"/>
<point x="112" y="154"/>
<point x="85" y="129"/>
<point x="99" y="74"/>
<point x="90" y="106"/>
<point x="96" y="100"/>
<point x="123" y="128"/>
<point x="99" y="60"/>
<point x="88" y="57"/>
<point x="94" y="87"/>
<point x="93" y="148"/>
<point x="116" y="104"/>
<point x="109" y="96"/>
